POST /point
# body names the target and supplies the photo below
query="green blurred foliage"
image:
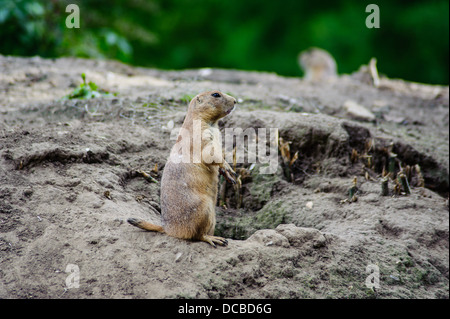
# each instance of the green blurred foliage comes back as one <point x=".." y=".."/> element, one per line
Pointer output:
<point x="87" y="90"/>
<point x="412" y="42"/>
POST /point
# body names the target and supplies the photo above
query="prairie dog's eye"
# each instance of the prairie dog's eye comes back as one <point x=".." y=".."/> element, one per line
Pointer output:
<point x="215" y="94"/>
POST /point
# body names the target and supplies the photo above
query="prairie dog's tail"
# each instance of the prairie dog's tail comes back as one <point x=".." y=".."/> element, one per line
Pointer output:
<point x="145" y="225"/>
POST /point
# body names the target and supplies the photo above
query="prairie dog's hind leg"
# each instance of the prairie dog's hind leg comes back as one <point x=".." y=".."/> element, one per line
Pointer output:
<point x="213" y="240"/>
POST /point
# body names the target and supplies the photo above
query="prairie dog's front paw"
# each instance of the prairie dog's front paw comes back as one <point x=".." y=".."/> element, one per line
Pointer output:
<point x="228" y="173"/>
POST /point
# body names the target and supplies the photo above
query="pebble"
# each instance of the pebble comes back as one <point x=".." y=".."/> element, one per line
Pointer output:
<point x="358" y="111"/>
<point x="178" y="256"/>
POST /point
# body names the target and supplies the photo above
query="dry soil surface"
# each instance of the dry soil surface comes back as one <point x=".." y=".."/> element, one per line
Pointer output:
<point x="69" y="179"/>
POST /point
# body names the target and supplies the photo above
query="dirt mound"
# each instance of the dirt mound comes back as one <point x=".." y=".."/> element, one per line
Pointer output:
<point x="319" y="227"/>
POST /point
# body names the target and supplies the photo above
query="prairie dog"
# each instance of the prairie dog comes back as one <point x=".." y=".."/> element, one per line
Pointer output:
<point x="189" y="187"/>
<point x="317" y="64"/>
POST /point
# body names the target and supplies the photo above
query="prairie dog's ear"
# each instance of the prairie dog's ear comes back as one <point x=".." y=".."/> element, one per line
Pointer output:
<point x="199" y="99"/>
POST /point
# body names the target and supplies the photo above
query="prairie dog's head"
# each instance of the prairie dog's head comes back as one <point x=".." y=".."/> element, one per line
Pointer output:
<point x="212" y="106"/>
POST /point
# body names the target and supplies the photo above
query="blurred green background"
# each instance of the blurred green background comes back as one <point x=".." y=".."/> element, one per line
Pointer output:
<point x="411" y="43"/>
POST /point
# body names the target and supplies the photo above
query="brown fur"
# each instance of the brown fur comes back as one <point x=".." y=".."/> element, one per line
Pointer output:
<point x="189" y="190"/>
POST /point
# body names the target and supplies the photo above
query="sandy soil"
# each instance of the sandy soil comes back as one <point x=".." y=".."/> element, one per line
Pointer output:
<point x="69" y="180"/>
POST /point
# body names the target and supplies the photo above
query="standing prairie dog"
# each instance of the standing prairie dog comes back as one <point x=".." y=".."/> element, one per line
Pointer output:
<point x="317" y="64"/>
<point x="189" y="183"/>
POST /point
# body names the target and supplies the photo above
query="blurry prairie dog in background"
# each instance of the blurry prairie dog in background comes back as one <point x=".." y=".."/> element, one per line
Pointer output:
<point x="317" y="64"/>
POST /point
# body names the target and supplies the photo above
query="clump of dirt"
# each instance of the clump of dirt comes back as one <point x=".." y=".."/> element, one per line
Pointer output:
<point x="71" y="174"/>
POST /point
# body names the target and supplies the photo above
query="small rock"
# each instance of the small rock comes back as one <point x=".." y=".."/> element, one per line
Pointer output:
<point x="170" y="125"/>
<point x="269" y="237"/>
<point x="178" y="256"/>
<point x="394" y="119"/>
<point x="205" y="72"/>
<point x="358" y="111"/>
<point x="298" y="236"/>
<point x="309" y="205"/>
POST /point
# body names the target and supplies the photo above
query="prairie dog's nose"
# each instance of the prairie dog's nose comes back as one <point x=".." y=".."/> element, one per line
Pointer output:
<point x="234" y="101"/>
